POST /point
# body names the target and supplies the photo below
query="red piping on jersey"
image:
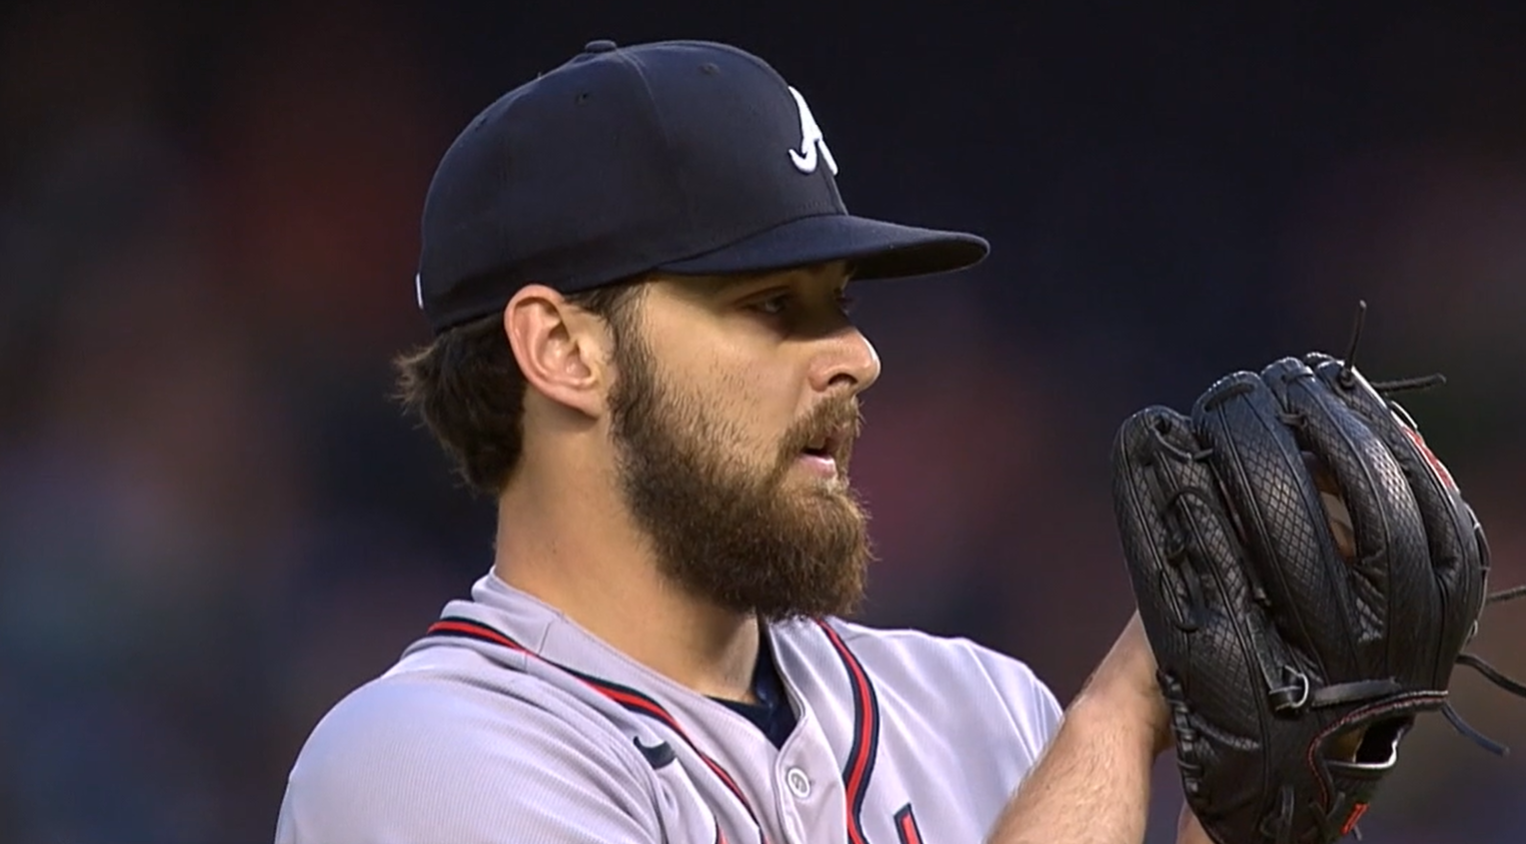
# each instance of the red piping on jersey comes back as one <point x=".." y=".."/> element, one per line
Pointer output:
<point x="866" y="736"/>
<point x="906" y="826"/>
<point x="628" y="698"/>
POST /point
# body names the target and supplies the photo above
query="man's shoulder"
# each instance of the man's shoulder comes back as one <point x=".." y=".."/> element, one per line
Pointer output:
<point x="453" y="700"/>
<point x="437" y="748"/>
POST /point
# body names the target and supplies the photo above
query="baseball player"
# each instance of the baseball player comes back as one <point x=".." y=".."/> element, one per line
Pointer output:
<point x="635" y="269"/>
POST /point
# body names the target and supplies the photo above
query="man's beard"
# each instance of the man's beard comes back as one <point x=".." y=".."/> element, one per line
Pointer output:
<point x="744" y="539"/>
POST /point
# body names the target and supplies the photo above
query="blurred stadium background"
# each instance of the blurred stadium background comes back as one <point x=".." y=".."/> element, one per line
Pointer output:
<point x="213" y="523"/>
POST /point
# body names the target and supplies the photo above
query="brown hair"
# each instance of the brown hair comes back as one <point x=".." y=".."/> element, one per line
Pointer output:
<point x="468" y="389"/>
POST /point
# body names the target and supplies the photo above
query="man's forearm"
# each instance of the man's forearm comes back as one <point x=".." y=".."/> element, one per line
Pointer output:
<point x="1092" y="785"/>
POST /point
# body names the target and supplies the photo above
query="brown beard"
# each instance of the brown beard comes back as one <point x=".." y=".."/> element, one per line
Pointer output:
<point x="741" y="538"/>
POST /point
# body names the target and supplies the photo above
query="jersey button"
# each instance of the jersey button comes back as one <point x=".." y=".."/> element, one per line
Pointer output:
<point x="799" y="784"/>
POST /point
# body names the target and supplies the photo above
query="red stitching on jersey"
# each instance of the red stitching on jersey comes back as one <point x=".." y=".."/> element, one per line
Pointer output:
<point x="865" y="736"/>
<point x="906" y="826"/>
<point x="480" y="631"/>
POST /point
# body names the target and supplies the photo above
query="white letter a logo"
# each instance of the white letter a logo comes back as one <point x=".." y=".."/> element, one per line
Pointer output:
<point x="812" y="143"/>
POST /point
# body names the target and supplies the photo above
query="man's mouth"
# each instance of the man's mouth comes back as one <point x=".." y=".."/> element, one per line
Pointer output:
<point x="825" y="446"/>
<point x="823" y="454"/>
<point x="825" y="450"/>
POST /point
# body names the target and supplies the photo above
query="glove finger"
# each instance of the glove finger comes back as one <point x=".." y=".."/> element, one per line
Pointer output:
<point x="1154" y="469"/>
<point x="1458" y="550"/>
<point x="1292" y="549"/>
<point x="1198" y="610"/>
<point x="1389" y="581"/>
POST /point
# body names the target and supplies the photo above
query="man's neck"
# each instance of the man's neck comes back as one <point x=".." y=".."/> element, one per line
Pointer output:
<point x="564" y="548"/>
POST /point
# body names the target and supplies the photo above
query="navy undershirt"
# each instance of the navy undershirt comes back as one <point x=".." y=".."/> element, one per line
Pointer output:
<point x="772" y="713"/>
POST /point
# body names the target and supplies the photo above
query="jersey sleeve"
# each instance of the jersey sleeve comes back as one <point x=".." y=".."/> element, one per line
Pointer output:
<point x="1034" y="709"/>
<point x="403" y="761"/>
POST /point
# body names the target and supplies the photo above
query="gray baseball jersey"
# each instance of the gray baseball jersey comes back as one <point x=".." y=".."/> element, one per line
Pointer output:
<point x="507" y="722"/>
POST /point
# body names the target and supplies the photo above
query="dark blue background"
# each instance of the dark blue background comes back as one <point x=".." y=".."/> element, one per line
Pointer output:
<point x="213" y="522"/>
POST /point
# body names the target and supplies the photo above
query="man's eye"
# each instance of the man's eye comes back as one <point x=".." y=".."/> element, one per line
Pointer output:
<point x="846" y="302"/>
<point x="773" y="305"/>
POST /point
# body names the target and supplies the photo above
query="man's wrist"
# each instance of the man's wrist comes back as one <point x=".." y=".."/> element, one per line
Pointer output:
<point x="1130" y="716"/>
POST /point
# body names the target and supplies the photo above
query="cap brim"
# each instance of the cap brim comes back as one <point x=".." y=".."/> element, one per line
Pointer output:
<point x="876" y="249"/>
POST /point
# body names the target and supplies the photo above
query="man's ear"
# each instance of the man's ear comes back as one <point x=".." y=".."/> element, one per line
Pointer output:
<point x="563" y="351"/>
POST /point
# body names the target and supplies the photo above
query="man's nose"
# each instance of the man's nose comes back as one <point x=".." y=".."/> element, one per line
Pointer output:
<point x="847" y="360"/>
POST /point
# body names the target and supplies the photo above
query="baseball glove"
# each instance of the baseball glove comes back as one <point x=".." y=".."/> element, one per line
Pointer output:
<point x="1308" y="575"/>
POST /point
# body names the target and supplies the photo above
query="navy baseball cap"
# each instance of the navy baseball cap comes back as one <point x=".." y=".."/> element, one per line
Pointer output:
<point x="682" y="157"/>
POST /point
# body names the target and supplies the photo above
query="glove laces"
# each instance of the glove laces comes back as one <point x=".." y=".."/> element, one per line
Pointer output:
<point x="1493" y="675"/>
<point x="1347" y="375"/>
<point x="1347" y="379"/>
